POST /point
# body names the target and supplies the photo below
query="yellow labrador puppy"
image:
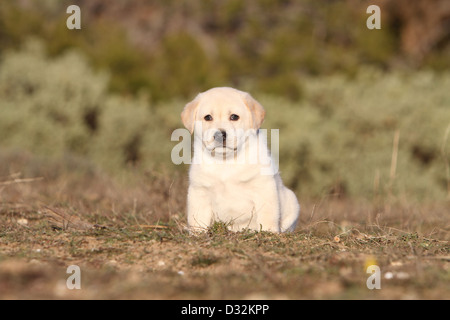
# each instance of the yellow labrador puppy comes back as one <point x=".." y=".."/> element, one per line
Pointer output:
<point x="232" y="177"/>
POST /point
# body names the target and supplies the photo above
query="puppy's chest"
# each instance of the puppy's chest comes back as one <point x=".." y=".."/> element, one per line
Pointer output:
<point x="231" y="201"/>
<point x="231" y="193"/>
<point x="220" y="176"/>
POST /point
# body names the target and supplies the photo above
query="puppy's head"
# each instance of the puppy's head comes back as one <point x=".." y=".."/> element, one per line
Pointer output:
<point x="222" y="117"/>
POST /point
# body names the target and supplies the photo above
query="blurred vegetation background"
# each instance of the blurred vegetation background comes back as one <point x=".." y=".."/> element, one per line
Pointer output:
<point x="362" y="113"/>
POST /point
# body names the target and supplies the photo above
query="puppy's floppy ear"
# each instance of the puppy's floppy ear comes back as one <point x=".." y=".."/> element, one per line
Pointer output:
<point x="256" y="109"/>
<point x="189" y="113"/>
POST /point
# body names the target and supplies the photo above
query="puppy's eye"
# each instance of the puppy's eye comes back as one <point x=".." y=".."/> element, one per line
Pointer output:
<point x="234" y="117"/>
<point x="208" y="117"/>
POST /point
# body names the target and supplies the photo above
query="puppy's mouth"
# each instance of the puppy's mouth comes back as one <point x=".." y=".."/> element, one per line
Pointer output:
<point x="222" y="148"/>
<point x="221" y="142"/>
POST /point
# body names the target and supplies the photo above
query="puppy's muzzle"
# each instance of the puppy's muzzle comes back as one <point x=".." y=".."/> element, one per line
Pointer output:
<point x="221" y="137"/>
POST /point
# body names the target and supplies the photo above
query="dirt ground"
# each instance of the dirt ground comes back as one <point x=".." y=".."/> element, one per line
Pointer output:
<point x="130" y="243"/>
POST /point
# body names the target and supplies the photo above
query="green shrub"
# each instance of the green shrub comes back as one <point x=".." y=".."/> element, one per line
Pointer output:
<point x="342" y="137"/>
<point x="183" y="48"/>
<point x="46" y="105"/>
<point x="60" y="106"/>
<point x="337" y="139"/>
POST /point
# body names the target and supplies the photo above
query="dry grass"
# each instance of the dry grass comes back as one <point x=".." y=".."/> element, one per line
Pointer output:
<point x="129" y="240"/>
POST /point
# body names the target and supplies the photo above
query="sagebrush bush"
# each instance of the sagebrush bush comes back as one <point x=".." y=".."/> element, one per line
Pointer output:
<point x="173" y="48"/>
<point x="337" y="139"/>
<point x="46" y="103"/>
<point x="342" y="138"/>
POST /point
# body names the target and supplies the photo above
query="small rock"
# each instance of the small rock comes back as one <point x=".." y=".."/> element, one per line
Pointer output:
<point x="22" y="221"/>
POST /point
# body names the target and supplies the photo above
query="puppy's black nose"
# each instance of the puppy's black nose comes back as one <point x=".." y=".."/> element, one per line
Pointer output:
<point x="220" y="136"/>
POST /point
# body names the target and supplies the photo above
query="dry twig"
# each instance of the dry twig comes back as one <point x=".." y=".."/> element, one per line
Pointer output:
<point x="66" y="221"/>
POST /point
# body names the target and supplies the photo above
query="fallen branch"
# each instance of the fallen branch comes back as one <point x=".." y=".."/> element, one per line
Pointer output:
<point x="9" y="182"/>
<point x="67" y="221"/>
<point x="152" y="226"/>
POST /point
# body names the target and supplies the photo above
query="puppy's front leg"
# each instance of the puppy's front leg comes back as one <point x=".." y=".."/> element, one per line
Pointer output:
<point x="268" y="210"/>
<point x="199" y="211"/>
